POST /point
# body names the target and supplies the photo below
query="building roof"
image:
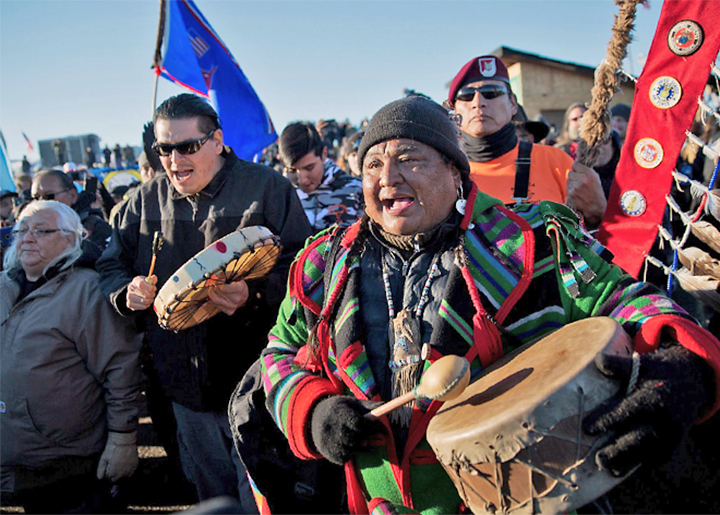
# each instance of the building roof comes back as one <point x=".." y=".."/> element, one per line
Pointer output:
<point x="511" y="56"/>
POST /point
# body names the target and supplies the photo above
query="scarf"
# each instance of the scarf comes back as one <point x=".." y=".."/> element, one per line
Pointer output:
<point x="486" y="148"/>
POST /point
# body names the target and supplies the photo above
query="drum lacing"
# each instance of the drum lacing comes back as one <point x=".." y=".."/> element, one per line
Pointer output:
<point x="634" y="373"/>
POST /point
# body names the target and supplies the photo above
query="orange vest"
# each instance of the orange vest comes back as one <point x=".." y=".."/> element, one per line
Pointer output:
<point x="549" y="168"/>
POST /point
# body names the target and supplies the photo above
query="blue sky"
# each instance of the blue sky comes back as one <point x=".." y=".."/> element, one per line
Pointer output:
<point x="71" y="67"/>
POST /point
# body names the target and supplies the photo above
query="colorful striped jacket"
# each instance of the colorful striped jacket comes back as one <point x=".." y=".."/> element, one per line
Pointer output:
<point x="531" y="271"/>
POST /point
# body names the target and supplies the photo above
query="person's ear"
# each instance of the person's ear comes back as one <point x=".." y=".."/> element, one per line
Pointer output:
<point x="218" y="139"/>
<point x="457" y="176"/>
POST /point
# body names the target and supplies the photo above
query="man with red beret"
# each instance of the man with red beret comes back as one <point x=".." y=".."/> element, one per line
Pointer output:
<point x="500" y="165"/>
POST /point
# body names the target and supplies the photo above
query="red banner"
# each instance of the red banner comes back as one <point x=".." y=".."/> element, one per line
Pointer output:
<point x="684" y="47"/>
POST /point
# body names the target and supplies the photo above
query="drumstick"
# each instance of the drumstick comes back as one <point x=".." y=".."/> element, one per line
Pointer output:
<point x="156" y="246"/>
<point x="446" y="379"/>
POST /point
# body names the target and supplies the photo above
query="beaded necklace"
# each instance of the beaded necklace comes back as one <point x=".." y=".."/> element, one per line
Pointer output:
<point x="404" y="334"/>
<point x="404" y="337"/>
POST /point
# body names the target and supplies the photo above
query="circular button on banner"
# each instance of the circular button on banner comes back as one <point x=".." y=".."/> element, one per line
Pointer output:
<point x="685" y="37"/>
<point x="665" y="92"/>
<point x="648" y="153"/>
<point x="633" y="203"/>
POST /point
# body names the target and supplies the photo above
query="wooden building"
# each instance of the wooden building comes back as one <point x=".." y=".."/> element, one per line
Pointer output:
<point x="546" y="87"/>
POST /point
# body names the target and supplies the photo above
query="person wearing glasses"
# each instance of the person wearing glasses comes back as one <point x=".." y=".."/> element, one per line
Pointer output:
<point x="56" y="185"/>
<point x="69" y="372"/>
<point x="206" y="193"/>
<point x="514" y="172"/>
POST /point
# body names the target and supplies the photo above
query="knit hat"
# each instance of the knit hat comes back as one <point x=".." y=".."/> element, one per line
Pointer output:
<point x="485" y="67"/>
<point x="621" y="110"/>
<point x="419" y="119"/>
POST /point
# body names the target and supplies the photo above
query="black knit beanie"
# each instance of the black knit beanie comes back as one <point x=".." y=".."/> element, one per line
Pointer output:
<point x="419" y="119"/>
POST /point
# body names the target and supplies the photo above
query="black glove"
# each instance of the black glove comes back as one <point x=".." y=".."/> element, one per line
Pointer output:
<point x="673" y="386"/>
<point x="339" y="428"/>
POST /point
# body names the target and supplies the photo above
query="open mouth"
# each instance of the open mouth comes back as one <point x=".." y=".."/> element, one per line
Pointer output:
<point x="396" y="206"/>
<point x="182" y="175"/>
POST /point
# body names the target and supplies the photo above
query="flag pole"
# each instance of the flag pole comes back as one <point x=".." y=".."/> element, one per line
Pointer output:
<point x="157" y="58"/>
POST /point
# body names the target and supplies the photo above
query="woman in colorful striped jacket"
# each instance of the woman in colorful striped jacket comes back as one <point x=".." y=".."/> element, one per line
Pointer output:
<point x="436" y="267"/>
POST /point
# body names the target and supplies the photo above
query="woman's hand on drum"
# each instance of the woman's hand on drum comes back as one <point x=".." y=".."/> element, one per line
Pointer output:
<point x="141" y="293"/>
<point x="229" y="297"/>
<point x="673" y="386"/>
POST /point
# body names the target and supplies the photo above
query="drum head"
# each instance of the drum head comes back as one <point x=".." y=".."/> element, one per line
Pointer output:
<point x="247" y="253"/>
<point x="513" y="439"/>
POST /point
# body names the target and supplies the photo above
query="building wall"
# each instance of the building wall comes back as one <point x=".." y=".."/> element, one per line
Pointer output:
<point x="549" y="90"/>
<point x="74" y="149"/>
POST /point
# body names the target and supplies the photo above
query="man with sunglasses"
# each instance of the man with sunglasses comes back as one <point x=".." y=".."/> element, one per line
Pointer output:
<point x="514" y="172"/>
<point x="206" y="193"/>
<point x="57" y="185"/>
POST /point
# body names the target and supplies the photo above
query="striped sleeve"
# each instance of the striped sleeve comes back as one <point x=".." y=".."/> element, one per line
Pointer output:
<point x="291" y="390"/>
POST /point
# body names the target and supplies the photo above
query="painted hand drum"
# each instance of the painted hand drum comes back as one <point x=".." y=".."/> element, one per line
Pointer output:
<point x="183" y="300"/>
<point x="513" y="441"/>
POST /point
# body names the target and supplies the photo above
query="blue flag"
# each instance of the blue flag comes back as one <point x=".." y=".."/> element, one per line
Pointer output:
<point x="196" y="58"/>
<point x="6" y="174"/>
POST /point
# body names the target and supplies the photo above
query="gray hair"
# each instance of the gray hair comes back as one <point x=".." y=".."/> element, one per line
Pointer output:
<point x="68" y="222"/>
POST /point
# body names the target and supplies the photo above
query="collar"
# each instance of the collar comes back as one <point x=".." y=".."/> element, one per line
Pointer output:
<point x="487" y="148"/>
<point x="217" y="182"/>
<point x="407" y="244"/>
<point x="26" y="285"/>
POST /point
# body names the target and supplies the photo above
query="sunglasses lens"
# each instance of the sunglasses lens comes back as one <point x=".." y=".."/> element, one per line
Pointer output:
<point x="163" y="150"/>
<point x="465" y="94"/>
<point x="488" y="92"/>
<point x="188" y="148"/>
<point x="182" y="148"/>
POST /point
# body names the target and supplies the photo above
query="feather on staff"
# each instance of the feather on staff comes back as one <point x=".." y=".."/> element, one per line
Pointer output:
<point x="699" y="262"/>
<point x="711" y="203"/>
<point x="704" y="288"/>
<point x="704" y="231"/>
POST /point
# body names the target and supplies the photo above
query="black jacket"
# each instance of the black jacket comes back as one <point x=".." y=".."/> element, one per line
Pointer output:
<point x="199" y="367"/>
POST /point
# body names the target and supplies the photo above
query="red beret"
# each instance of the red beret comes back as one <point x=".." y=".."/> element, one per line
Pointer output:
<point x="485" y="67"/>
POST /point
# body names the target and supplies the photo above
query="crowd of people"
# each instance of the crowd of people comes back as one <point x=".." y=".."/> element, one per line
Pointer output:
<point x="430" y="230"/>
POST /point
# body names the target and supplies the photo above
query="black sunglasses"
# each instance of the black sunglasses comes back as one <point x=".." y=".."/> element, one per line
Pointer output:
<point x="488" y="91"/>
<point x="49" y="196"/>
<point x="184" y="148"/>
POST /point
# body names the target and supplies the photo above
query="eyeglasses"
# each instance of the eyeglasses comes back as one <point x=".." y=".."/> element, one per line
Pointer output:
<point x="36" y="233"/>
<point x="185" y="148"/>
<point x="488" y="91"/>
<point x="49" y="196"/>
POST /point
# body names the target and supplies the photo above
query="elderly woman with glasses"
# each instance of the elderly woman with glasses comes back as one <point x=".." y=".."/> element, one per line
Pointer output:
<point x="436" y="267"/>
<point x="57" y="185"/>
<point x="69" y="376"/>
